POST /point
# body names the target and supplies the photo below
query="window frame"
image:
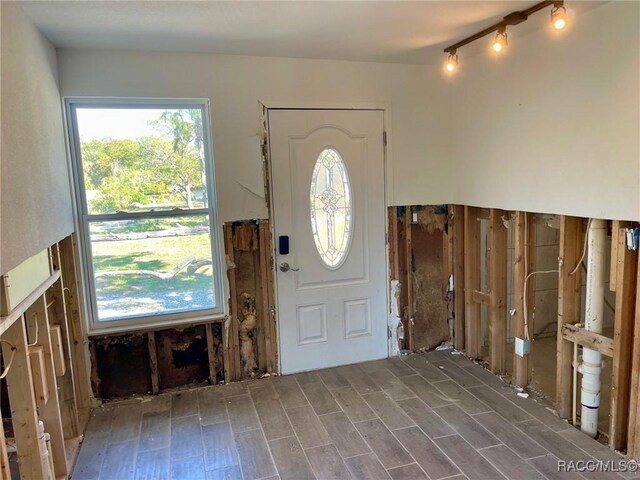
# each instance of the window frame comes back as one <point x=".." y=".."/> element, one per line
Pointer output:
<point x="83" y="218"/>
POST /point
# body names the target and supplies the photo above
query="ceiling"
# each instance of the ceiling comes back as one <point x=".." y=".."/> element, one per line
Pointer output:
<point x="413" y="32"/>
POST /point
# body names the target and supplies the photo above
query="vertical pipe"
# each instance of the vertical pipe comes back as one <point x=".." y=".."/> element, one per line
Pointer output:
<point x="591" y="359"/>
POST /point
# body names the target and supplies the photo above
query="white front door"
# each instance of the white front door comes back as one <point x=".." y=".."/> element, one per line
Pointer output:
<point x="327" y="180"/>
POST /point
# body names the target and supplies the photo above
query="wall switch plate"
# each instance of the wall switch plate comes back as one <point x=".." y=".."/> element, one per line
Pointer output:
<point x="523" y="347"/>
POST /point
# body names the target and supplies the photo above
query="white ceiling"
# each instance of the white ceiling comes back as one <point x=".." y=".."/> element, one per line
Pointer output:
<point x="394" y="32"/>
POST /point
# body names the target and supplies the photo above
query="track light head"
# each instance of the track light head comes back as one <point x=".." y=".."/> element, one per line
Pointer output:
<point x="451" y="64"/>
<point x="500" y="42"/>
<point x="559" y="17"/>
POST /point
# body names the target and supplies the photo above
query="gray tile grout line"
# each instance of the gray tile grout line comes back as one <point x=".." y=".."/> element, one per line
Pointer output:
<point x="233" y="437"/>
<point x="295" y="434"/>
<point x="371" y="451"/>
<point x="273" y="461"/>
<point x="398" y="440"/>
<point x="395" y="402"/>
<point x="456" y="432"/>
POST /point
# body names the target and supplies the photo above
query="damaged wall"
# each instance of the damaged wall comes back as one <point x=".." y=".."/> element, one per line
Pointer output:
<point x="252" y="336"/>
<point x="149" y="362"/>
<point x="421" y="261"/>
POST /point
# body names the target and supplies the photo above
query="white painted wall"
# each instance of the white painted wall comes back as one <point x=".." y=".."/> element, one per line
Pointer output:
<point x="554" y="124"/>
<point x="235" y="85"/>
<point x="35" y="204"/>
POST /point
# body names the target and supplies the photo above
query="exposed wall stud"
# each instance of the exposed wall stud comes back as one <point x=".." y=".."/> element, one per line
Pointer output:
<point x="458" y="275"/>
<point x="633" y="435"/>
<point x="497" y="290"/>
<point x="153" y="362"/>
<point x="472" y="280"/>
<point x="569" y="287"/>
<point x="622" y="343"/>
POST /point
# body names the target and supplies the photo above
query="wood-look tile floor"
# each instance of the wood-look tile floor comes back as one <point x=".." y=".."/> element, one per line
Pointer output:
<point x="430" y="416"/>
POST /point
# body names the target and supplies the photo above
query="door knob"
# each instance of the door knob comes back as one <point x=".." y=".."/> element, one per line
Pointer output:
<point x="284" y="267"/>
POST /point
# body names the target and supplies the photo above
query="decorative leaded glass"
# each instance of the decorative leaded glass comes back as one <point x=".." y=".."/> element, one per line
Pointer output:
<point x="331" y="207"/>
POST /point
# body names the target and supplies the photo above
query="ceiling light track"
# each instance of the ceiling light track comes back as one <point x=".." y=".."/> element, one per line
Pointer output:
<point x="558" y="19"/>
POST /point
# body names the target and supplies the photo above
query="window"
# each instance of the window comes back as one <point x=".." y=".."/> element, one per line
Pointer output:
<point x="330" y="208"/>
<point x="146" y="207"/>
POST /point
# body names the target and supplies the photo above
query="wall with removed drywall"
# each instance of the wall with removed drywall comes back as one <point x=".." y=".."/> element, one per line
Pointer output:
<point x="35" y="203"/>
<point x="418" y="120"/>
<point x="553" y="124"/>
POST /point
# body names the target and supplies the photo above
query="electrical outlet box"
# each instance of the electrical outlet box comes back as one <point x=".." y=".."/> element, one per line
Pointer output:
<point x="39" y="374"/>
<point x="523" y="347"/>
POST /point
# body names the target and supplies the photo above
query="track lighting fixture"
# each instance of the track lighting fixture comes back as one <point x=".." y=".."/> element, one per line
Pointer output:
<point x="500" y="42"/>
<point x="452" y="62"/>
<point x="558" y="16"/>
<point x="559" y="21"/>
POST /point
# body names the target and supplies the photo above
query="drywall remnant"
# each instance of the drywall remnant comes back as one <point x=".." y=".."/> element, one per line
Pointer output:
<point x="396" y="329"/>
<point x="246" y="331"/>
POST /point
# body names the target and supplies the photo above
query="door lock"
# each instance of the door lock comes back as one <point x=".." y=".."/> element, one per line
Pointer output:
<point x="284" y="267"/>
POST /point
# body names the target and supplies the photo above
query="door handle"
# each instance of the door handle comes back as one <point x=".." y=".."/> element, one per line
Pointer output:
<point x="284" y="267"/>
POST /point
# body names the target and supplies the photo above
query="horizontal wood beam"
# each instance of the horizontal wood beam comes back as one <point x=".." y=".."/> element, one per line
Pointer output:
<point x="480" y="297"/>
<point x="585" y="338"/>
<point x="17" y="311"/>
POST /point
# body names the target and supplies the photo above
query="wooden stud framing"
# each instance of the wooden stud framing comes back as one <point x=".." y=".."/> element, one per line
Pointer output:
<point x="268" y="306"/>
<point x="153" y="362"/>
<point x="232" y="359"/>
<point x="271" y="299"/>
<point x="408" y="250"/>
<point x="472" y="280"/>
<point x="457" y="228"/>
<point x="613" y="270"/>
<point x="497" y="291"/>
<point x="627" y="266"/>
<point x="633" y="435"/>
<point x="21" y="398"/>
<point x="211" y="353"/>
<point x="5" y="472"/>
<point x="568" y="308"/>
<point x="50" y="412"/>
<point x="591" y="340"/>
<point x="67" y="383"/>
<point x="79" y="351"/>
<point x="479" y="297"/>
<point x="394" y="260"/>
<point x="524" y="241"/>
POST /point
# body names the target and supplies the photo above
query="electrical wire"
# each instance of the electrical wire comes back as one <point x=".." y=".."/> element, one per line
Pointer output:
<point x="584" y="249"/>
<point x="13" y="354"/>
<point x="526" y="280"/>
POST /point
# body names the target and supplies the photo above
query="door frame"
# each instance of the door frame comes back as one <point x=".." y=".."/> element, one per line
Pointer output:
<point x="385" y="108"/>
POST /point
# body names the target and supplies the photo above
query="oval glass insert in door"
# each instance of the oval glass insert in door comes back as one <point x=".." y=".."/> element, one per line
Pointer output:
<point x="331" y="208"/>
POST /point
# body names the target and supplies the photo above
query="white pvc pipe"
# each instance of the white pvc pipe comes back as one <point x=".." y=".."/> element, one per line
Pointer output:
<point x="591" y="359"/>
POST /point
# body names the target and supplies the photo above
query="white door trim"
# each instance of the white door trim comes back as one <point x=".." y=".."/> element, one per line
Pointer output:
<point x="386" y="111"/>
